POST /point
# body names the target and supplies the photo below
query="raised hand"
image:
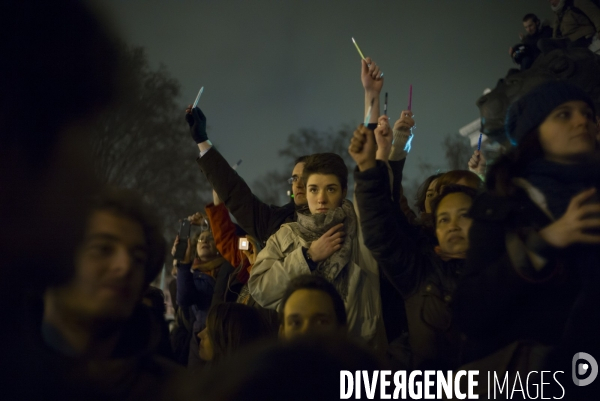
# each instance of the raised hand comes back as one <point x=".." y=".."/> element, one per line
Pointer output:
<point x="477" y="163"/>
<point x="197" y="122"/>
<point x="197" y="219"/>
<point x="216" y="199"/>
<point x="371" y="76"/>
<point x="328" y="244"/>
<point x="571" y="227"/>
<point x="363" y="148"/>
<point x="384" y="138"/>
<point x="188" y="251"/>
<point x="405" y="122"/>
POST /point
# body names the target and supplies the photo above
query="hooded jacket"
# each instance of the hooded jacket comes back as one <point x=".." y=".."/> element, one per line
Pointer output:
<point x="577" y="19"/>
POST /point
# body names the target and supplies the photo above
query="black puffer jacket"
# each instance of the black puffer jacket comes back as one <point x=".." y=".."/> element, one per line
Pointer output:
<point x="425" y="281"/>
<point x="256" y="217"/>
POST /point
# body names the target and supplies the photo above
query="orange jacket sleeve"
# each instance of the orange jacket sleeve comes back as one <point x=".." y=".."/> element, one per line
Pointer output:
<point x="224" y="233"/>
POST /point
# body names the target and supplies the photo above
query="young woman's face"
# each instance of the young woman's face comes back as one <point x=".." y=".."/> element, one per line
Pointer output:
<point x="568" y="133"/>
<point x="453" y="223"/>
<point x="429" y="195"/>
<point x="206" y="247"/>
<point x="324" y="193"/>
<point x="205" y="348"/>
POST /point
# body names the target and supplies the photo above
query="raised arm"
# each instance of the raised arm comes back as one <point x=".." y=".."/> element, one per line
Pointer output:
<point x="253" y="215"/>
<point x="402" y="136"/>
<point x="386" y="230"/>
<point x="223" y="231"/>
<point x="372" y="81"/>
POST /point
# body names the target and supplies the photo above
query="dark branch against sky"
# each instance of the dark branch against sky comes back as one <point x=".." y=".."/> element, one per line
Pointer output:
<point x="270" y="68"/>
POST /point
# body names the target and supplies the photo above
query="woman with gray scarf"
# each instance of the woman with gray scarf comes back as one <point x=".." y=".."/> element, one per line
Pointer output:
<point x="326" y="240"/>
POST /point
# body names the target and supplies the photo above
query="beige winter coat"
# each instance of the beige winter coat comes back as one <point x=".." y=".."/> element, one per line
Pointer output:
<point x="282" y="260"/>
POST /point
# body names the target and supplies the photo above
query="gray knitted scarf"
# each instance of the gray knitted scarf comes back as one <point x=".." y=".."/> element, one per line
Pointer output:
<point x="310" y="227"/>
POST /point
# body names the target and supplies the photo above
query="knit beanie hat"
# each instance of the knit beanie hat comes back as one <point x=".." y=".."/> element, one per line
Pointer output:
<point x="527" y="113"/>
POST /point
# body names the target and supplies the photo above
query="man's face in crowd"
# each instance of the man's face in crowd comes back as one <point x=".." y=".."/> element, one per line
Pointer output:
<point x="453" y="223"/>
<point x="109" y="270"/>
<point x="309" y="312"/>
<point x="568" y="132"/>
<point x="530" y="27"/>
<point x="324" y="193"/>
<point x="554" y="3"/>
<point x="298" y="187"/>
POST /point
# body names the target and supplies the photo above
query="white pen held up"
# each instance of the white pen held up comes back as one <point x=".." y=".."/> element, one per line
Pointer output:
<point x="198" y="97"/>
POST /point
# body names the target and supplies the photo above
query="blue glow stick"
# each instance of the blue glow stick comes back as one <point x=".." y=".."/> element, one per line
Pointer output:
<point x="479" y="144"/>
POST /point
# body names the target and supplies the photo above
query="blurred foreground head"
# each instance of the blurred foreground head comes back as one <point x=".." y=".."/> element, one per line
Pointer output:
<point x="304" y="369"/>
<point x="59" y="70"/>
<point x="121" y="252"/>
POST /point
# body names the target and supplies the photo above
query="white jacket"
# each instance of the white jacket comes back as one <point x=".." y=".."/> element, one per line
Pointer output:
<point x="282" y="260"/>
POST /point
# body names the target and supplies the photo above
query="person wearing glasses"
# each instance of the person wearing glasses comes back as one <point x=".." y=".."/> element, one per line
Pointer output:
<point x="196" y="278"/>
<point x="254" y="216"/>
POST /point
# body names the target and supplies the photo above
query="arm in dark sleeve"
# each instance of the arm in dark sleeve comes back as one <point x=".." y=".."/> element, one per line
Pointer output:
<point x="398" y="192"/>
<point x="221" y="282"/>
<point x="186" y="291"/>
<point x="387" y="233"/>
<point x="205" y="286"/>
<point x="253" y="215"/>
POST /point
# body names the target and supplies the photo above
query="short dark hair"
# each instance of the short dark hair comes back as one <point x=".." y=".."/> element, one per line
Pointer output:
<point x="309" y="282"/>
<point x="448" y="190"/>
<point x="157" y="298"/>
<point x="129" y="204"/>
<point x="301" y="159"/>
<point x="326" y="163"/>
<point x="529" y="16"/>
<point x="231" y="326"/>
<point x="422" y="191"/>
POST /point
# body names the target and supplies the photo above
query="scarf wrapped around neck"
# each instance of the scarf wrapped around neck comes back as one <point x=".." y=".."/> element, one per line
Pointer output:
<point x="561" y="182"/>
<point x="310" y="227"/>
<point x="210" y="267"/>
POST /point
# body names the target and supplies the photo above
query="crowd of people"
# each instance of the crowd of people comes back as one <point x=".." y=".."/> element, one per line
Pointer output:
<point x="497" y="270"/>
<point x="576" y="24"/>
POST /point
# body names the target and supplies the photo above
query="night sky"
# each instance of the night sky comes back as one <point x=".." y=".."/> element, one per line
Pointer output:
<point x="270" y="68"/>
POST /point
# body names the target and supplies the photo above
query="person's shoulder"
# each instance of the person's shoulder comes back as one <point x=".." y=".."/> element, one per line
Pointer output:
<point x="492" y="207"/>
<point x="284" y="236"/>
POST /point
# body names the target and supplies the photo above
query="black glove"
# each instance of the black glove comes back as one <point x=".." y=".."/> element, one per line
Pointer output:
<point x="197" y="123"/>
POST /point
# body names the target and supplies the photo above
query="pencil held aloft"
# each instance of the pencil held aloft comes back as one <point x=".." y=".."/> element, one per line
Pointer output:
<point x="358" y="48"/>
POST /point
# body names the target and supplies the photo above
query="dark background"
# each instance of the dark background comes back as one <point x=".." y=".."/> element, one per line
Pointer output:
<point x="271" y="68"/>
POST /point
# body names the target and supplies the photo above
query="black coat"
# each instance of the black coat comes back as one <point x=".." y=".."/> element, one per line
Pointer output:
<point x="425" y="281"/>
<point x="134" y="372"/>
<point x="501" y="298"/>
<point x="254" y="216"/>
